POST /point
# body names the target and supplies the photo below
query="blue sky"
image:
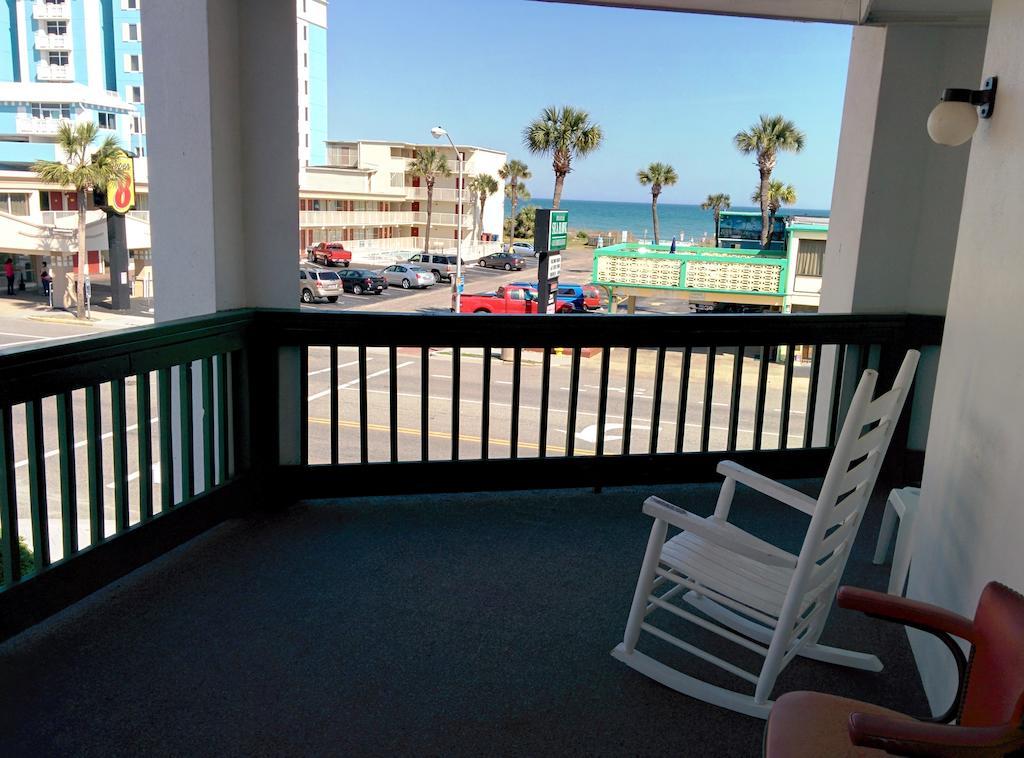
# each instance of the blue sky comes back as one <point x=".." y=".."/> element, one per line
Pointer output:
<point x="666" y="87"/>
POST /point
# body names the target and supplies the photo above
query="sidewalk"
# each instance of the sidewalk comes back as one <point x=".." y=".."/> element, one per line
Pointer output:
<point x="31" y="306"/>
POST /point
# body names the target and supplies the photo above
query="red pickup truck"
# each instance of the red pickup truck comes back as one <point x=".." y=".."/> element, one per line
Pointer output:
<point x="330" y="254"/>
<point x="509" y="299"/>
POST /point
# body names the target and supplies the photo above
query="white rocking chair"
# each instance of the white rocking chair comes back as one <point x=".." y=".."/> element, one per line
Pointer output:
<point x="751" y="592"/>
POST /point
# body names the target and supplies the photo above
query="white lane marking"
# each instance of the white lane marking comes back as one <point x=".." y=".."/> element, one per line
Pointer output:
<point x="135" y="475"/>
<point x="340" y="366"/>
<point x="439" y="376"/>
<point x="83" y="443"/>
<point x="347" y="385"/>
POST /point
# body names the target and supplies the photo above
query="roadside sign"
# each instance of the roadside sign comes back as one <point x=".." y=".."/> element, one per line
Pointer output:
<point x="462" y="283"/>
<point x="554" y="265"/>
<point x="121" y="195"/>
<point x="551" y="230"/>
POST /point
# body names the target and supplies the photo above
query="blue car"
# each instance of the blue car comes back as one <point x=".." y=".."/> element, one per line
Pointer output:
<point x="574" y="294"/>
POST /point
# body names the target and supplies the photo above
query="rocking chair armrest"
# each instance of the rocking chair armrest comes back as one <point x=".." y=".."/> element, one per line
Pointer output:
<point x="718" y="532"/>
<point x="917" y="738"/>
<point x="924" y="616"/>
<point x="766" y="486"/>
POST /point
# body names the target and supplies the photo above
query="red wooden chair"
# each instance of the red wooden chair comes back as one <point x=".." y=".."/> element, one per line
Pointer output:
<point x="986" y="714"/>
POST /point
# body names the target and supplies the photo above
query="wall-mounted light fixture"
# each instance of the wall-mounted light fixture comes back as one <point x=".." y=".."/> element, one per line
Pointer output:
<point x="954" y="119"/>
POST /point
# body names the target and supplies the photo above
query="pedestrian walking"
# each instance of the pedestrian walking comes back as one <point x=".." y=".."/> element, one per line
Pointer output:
<point x="9" y="273"/>
<point x="45" y="279"/>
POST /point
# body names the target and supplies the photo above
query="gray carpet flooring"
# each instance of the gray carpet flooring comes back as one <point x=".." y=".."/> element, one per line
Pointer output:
<point x="442" y="625"/>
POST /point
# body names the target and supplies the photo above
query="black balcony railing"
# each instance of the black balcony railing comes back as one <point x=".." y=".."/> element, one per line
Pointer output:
<point x="210" y="417"/>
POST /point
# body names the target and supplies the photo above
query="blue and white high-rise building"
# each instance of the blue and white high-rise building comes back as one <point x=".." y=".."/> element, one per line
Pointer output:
<point x="69" y="59"/>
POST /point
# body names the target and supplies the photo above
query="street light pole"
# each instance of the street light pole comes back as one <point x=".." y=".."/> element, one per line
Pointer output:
<point x="439" y="132"/>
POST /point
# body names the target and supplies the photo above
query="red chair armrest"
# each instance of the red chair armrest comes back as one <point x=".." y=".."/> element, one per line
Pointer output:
<point x="906" y="611"/>
<point x="916" y="738"/>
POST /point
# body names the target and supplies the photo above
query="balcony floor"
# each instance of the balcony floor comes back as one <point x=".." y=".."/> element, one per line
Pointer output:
<point x="442" y="625"/>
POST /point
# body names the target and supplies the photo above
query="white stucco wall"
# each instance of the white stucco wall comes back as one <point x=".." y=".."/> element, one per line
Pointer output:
<point x="973" y="492"/>
<point x="895" y="207"/>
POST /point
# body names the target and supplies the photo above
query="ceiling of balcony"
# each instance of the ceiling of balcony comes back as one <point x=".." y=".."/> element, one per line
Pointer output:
<point x="955" y="12"/>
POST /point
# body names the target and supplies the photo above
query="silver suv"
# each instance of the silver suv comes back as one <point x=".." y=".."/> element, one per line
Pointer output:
<point x="441" y="266"/>
<point x="316" y="283"/>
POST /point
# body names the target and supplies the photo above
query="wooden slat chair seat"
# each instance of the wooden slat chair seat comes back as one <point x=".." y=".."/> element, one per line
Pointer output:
<point x="748" y="591"/>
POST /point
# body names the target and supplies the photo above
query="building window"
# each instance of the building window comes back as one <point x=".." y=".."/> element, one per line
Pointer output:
<point x="810" y="258"/>
<point x="58" y="58"/>
<point x="307" y="114"/>
<point x="106" y="120"/>
<point x="135" y="94"/>
<point x="305" y="32"/>
<point x="307" y="140"/>
<point x="305" y="85"/>
<point x="14" y="203"/>
<point x="140" y="152"/>
<point x="133" y="63"/>
<point x="51" y="110"/>
<point x="130" y="33"/>
<point x="57" y="27"/>
<point x="138" y="125"/>
<point x="130" y="5"/>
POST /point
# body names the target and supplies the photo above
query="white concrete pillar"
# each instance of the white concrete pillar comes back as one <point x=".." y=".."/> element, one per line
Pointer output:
<point x="221" y="83"/>
<point x="972" y="509"/>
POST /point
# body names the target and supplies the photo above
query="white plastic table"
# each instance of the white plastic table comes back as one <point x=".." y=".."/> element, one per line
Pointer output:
<point x="902" y="504"/>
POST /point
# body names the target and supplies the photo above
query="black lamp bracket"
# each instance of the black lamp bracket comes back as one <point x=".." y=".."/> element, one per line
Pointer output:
<point x="984" y="98"/>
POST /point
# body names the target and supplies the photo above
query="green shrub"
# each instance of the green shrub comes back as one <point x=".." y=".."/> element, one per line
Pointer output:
<point x="25" y="559"/>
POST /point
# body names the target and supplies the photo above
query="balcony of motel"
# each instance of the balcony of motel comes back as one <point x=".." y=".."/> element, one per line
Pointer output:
<point x="254" y="530"/>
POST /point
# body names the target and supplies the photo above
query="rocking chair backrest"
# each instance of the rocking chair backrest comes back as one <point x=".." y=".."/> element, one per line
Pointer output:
<point x="856" y="462"/>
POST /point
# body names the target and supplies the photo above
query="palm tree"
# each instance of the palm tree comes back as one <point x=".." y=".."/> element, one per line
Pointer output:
<point x="565" y="133"/>
<point x="766" y="139"/>
<point x="657" y="175"/>
<point x="429" y="164"/>
<point x="484" y="185"/>
<point x="85" y="168"/>
<point x="779" y="194"/>
<point x="514" y="173"/>
<point x="717" y="203"/>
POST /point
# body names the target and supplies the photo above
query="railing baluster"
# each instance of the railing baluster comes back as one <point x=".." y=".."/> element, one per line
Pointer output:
<point x="144" y="432"/>
<point x="119" y="431"/>
<point x="517" y="377"/>
<point x="734" y="399"/>
<point x="812" y="397"/>
<point x="787" y="399"/>
<point x="574" y="386"/>
<point x="9" y="492"/>
<point x="303" y="403"/>
<point x="364" y="440"/>
<point x="164" y="411"/>
<point x="456" y="391"/>
<point x="222" y="416"/>
<point x="94" y="448"/>
<point x="683" y="399"/>
<point x="485" y="409"/>
<point x="659" y="378"/>
<point x="709" y="391"/>
<point x="762" y="391"/>
<point x="335" y="425"/>
<point x="602" y="399"/>
<point x="68" y="483"/>
<point x="545" y="400"/>
<point x="837" y="393"/>
<point x="627" y="413"/>
<point x="209" y="462"/>
<point x="393" y="400"/>
<point x="37" y="484"/>
<point x="425" y="403"/>
<point x="185" y="420"/>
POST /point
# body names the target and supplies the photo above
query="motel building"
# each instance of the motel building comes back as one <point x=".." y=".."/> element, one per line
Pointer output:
<point x="365" y="197"/>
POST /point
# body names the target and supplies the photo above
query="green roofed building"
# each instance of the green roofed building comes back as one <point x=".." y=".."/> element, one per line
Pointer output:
<point x="737" y="276"/>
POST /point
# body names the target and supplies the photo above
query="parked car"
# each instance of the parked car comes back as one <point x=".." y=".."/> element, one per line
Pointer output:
<point x="508" y="299"/>
<point x="408" y="276"/>
<point x="582" y="297"/>
<point x="317" y="283"/>
<point x="330" y="254"/>
<point x="507" y="261"/>
<point x="360" y="280"/>
<point x="441" y="266"/>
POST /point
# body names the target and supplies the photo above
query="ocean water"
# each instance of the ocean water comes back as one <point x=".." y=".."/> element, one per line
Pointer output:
<point x="681" y="221"/>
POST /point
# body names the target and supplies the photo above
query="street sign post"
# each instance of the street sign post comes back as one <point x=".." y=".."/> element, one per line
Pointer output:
<point x="550" y="236"/>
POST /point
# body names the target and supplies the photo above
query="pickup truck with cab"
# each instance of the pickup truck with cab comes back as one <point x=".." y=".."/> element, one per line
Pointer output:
<point x="330" y="254"/>
<point x="508" y="299"/>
